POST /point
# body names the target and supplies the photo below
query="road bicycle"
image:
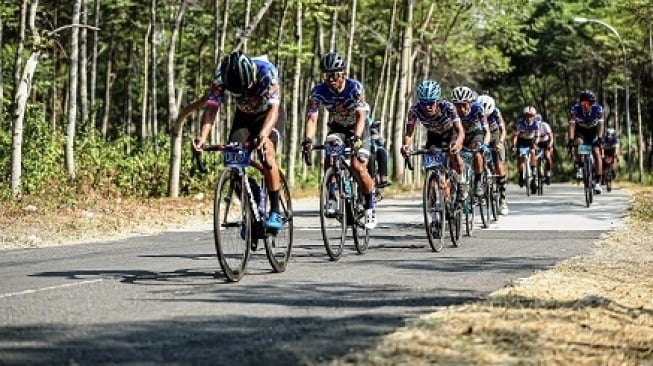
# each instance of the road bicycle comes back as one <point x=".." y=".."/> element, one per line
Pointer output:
<point x="438" y="197"/>
<point x="470" y="200"/>
<point x="492" y="194"/>
<point x="342" y="204"/>
<point x="585" y="151"/>
<point x="539" y="171"/>
<point x="608" y="172"/>
<point x="240" y="211"/>
<point x="529" y="176"/>
<point x="373" y="169"/>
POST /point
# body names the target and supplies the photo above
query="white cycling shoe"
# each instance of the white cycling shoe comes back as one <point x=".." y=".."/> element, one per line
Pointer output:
<point x="370" y="219"/>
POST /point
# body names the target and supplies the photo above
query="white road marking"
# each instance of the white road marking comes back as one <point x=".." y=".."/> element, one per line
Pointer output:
<point x="32" y="291"/>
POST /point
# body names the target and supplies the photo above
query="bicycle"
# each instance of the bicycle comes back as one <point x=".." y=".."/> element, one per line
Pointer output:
<point x="438" y="197"/>
<point x="373" y="170"/>
<point x="491" y="195"/>
<point x="240" y="211"/>
<point x="608" y="172"/>
<point x="528" y="175"/>
<point x="469" y="202"/>
<point x="539" y="171"/>
<point x="341" y="202"/>
<point x="585" y="151"/>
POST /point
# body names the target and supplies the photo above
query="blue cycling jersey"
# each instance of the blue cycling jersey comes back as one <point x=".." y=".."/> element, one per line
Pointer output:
<point x="473" y="122"/>
<point x="341" y="105"/>
<point x="440" y="123"/>
<point x="495" y="120"/>
<point x="590" y="120"/>
<point x="258" y="97"/>
<point x="525" y="131"/>
<point x="610" y="142"/>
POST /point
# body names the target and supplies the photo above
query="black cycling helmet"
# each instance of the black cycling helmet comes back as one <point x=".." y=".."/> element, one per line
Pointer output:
<point x="238" y="72"/>
<point x="333" y="61"/>
<point x="587" y="95"/>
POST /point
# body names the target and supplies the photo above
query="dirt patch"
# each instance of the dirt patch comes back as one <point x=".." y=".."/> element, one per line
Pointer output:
<point x="591" y="310"/>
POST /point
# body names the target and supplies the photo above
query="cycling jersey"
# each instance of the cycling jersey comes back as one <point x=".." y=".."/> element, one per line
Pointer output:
<point x="544" y="132"/>
<point x="586" y="121"/>
<point x="440" y="123"/>
<point x="525" y="131"/>
<point x="257" y="98"/>
<point x="342" y="105"/>
<point x="495" y="120"/>
<point x="610" y="143"/>
<point x="473" y="122"/>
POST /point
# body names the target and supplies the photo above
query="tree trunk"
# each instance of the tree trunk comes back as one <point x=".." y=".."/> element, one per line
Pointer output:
<point x="284" y="14"/>
<point x="83" y="74"/>
<point x="72" y="89"/>
<point x="295" y="120"/>
<point x="385" y="71"/>
<point x="350" y="36"/>
<point x="96" y="23"/>
<point x="248" y="11"/>
<point x="146" y="69"/>
<point x="20" y="46"/>
<point x="403" y="86"/>
<point x="2" y="91"/>
<point x="253" y="24"/>
<point x="175" y="155"/>
<point x="108" y="83"/>
<point x="154" y="122"/>
<point x="640" y="135"/>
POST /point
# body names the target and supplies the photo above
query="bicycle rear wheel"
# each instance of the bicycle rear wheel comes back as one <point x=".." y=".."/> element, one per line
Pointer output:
<point x="356" y="203"/>
<point x="483" y="202"/>
<point x="434" y="210"/>
<point x="494" y="198"/>
<point x="527" y="177"/>
<point x="232" y="228"/>
<point x="455" y="224"/>
<point x="333" y="215"/>
<point x="608" y="179"/>
<point x="469" y="211"/>
<point x="278" y="245"/>
<point x="587" y="175"/>
<point x="540" y="178"/>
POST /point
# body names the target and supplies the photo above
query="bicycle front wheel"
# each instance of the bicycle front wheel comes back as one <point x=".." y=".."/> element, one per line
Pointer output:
<point x="540" y="178"/>
<point x="356" y="208"/>
<point x="278" y="245"/>
<point x="434" y="210"/>
<point x="494" y="198"/>
<point x="484" y="202"/>
<point x="333" y="215"/>
<point x="589" y="189"/>
<point x="232" y="229"/>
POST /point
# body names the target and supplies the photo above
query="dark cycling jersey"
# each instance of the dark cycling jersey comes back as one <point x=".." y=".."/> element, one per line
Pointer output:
<point x="473" y="122"/>
<point x="440" y="123"/>
<point x="495" y="120"/>
<point x="586" y="121"/>
<point x="257" y="98"/>
<point x="342" y="106"/>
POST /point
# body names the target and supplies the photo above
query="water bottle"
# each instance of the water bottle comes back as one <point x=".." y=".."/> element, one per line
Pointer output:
<point x="348" y="187"/>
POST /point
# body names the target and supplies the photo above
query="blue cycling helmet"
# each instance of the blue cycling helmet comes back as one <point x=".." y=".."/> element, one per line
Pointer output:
<point x="428" y="90"/>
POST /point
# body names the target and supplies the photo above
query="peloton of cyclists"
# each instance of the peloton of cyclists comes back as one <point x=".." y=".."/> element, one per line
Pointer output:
<point x="344" y="99"/>
<point x="497" y="144"/>
<point x="526" y="135"/>
<point x="476" y="129"/>
<point x="443" y="127"/>
<point x="545" y="143"/>
<point x="586" y="127"/>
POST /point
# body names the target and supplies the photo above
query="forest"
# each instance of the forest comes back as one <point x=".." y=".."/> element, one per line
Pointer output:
<point x="91" y="91"/>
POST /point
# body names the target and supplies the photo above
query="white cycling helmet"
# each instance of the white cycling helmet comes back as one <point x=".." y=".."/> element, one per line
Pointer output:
<point x="462" y="94"/>
<point x="530" y="110"/>
<point x="487" y="102"/>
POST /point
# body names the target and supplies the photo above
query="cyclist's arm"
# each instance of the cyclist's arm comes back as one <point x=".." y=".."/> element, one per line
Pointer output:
<point x="408" y="136"/>
<point x="502" y="128"/>
<point x="486" y="134"/>
<point x="359" y="126"/>
<point x="208" y="118"/>
<point x="572" y="127"/>
<point x="270" y="121"/>
<point x="460" y="132"/>
<point x="515" y="136"/>
<point x="310" y="126"/>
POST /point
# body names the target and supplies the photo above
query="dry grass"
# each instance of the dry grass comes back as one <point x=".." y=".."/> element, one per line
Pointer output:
<point x="592" y="310"/>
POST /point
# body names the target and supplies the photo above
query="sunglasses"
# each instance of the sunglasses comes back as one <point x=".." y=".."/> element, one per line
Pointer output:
<point x="530" y="115"/>
<point x="585" y="104"/>
<point x="334" y="75"/>
<point x="427" y="103"/>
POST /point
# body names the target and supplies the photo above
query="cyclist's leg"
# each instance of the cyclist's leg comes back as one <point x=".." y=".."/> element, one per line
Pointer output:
<point x="359" y="168"/>
<point x="473" y="142"/>
<point x="499" y="157"/>
<point x="521" y="143"/>
<point x="382" y="161"/>
<point x="579" y="139"/>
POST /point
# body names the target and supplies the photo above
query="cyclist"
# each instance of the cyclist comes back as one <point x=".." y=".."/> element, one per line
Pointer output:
<point x="381" y="153"/>
<point x="254" y="83"/>
<point x="611" y="147"/>
<point x="443" y="127"/>
<point x="586" y="126"/>
<point x="344" y="99"/>
<point x="526" y="134"/>
<point x="477" y="132"/>
<point x="497" y="144"/>
<point x="546" y="144"/>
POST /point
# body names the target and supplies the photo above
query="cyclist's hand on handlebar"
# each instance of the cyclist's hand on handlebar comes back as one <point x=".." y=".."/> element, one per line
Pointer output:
<point x="307" y="145"/>
<point x="499" y="146"/>
<point x="356" y="142"/>
<point x="405" y="150"/>
<point x="196" y="145"/>
<point x="260" y="139"/>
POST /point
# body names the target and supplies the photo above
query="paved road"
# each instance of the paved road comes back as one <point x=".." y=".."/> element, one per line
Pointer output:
<point x="156" y="299"/>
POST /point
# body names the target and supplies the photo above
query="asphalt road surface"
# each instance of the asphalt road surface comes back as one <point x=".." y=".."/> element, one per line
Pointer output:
<point x="161" y="299"/>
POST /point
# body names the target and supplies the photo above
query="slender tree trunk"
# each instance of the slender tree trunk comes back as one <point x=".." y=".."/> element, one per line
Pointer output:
<point x="83" y="74"/>
<point x="20" y="46"/>
<point x="154" y="127"/>
<point x="128" y="99"/>
<point x="22" y="91"/>
<point x="294" y="129"/>
<point x="350" y="36"/>
<point x="334" y="29"/>
<point x="385" y="75"/>
<point x="284" y="13"/>
<point x="252" y="24"/>
<point x="248" y="11"/>
<point x="218" y="129"/>
<point x="640" y="135"/>
<point x="96" y="23"/>
<point x="2" y="91"/>
<point x="146" y="69"/>
<point x="72" y="89"/>
<point x="173" y="112"/>
<point x="54" y="100"/>
<point x="108" y="83"/>
<point x="403" y="85"/>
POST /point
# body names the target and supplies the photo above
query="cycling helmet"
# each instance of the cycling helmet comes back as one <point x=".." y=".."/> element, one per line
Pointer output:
<point x="487" y="102"/>
<point x="238" y="72"/>
<point x="462" y="94"/>
<point x="587" y="95"/>
<point x="610" y="132"/>
<point x="332" y="61"/>
<point x="530" y="110"/>
<point x="428" y="90"/>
